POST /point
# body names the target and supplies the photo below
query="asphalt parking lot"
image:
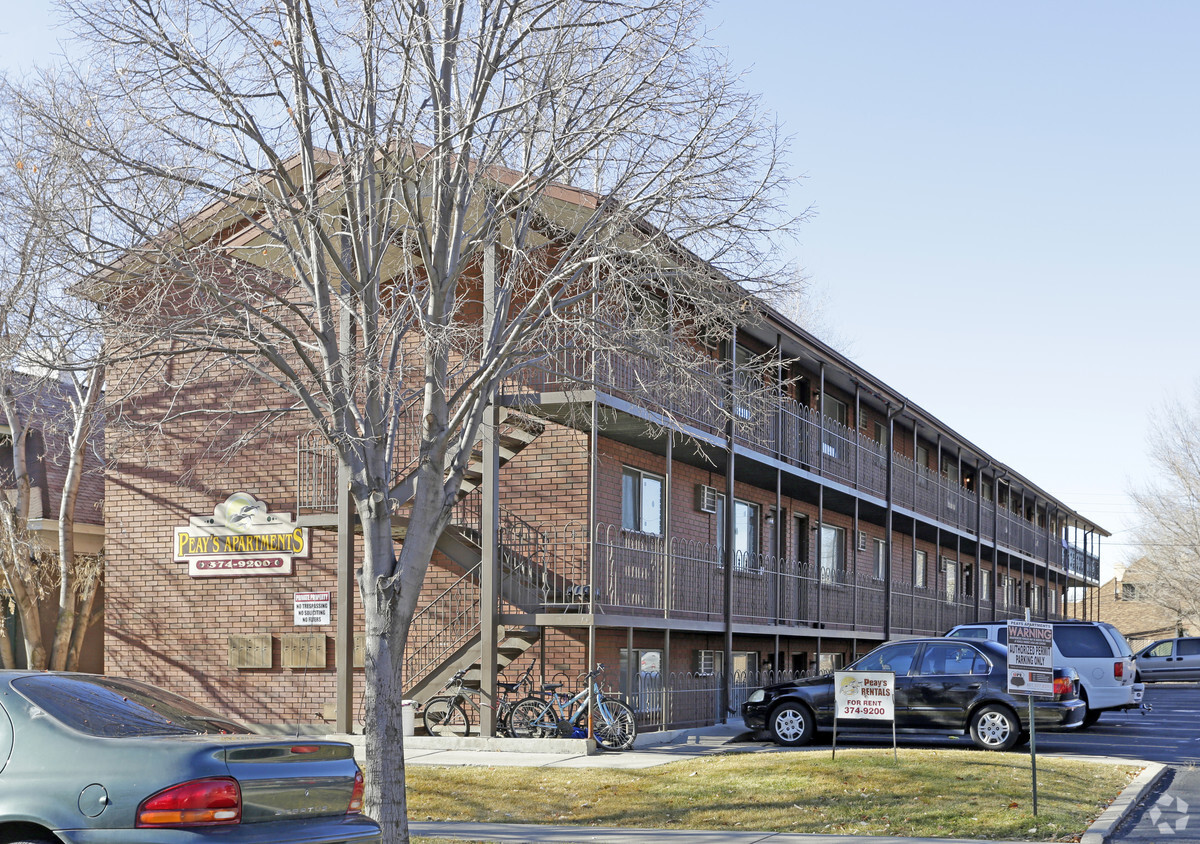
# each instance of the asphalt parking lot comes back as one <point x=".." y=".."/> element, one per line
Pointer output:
<point x="1169" y="733"/>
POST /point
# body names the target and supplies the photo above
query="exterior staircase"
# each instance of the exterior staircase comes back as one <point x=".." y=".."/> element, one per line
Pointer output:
<point x="516" y="430"/>
<point x="445" y="634"/>
<point x="513" y="643"/>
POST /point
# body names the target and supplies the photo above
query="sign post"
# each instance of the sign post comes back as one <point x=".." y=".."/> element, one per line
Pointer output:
<point x="1031" y="672"/>
<point x="864" y="695"/>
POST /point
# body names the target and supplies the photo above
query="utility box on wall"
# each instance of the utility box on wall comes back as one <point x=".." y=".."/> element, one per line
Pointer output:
<point x="302" y="650"/>
<point x="250" y="651"/>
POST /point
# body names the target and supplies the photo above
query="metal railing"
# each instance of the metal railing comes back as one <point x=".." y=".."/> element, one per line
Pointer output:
<point x="779" y="425"/>
<point x="640" y="574"/>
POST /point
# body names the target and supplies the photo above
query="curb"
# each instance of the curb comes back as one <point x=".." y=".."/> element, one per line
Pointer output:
<point x="1101" y="830"/>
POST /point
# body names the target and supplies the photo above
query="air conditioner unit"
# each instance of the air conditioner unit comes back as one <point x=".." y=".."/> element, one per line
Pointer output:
<point x="706" y="498"/>
<point x="862" y="540"/>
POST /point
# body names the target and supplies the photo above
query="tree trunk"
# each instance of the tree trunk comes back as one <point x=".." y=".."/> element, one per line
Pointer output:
<point x="69" y="597"/>
<point x="386" y="633"/>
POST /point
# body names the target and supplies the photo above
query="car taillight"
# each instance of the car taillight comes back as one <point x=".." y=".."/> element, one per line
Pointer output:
<point x="206" y="802"/>
<point x="1063" y="686"/>
<point x="356" y="796"/>
<point x="1118" y="669"/>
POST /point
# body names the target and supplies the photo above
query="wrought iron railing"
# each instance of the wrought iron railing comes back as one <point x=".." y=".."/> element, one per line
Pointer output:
<point x="779" y="425"/>
<point x="643" y="575"/>
<point x="442" y="626"/>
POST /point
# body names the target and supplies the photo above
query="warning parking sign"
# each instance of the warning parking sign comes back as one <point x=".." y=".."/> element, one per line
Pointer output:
<point x="1030" y="658"/>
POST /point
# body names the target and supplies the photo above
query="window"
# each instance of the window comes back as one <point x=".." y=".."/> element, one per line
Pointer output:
<point x="1081" y="641"/>
<point x="1162" y="649"/>
<point x="1128" y="592"/>
<point x="647" y="691"/>
<point x="881" y="434"/>
<point x="920" y="562"/>
<point x="923" y="457"/>
<point x="745" y="533"/>
<point x="950" y="575"/>
<point x="833" y="554"/>
<point x="747" y="381"/>
<point x="834" y="410"/>
<point x="641" y="502"/>
<point x="880" y="558"/>
<point x="952" y="659"/>
<point x="985" y="585"/>
<point x="898" y="658"/>
<point x="827" y="663"/>
<point x="1187" y="647"/>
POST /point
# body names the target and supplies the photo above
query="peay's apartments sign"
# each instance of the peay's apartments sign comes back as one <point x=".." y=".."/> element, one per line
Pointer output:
<point x="239" y="539"/>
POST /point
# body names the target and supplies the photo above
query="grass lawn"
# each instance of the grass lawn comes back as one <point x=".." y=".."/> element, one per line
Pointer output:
<point x="928" y="793"/>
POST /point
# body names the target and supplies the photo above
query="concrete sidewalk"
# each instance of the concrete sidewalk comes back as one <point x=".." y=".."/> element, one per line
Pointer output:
<point x="650" y="749"/>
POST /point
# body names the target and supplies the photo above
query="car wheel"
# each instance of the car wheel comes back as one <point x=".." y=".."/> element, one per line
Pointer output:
<point x="791" y="724"/>
<point x="995" y="728"/>
<point x="1090" y="716"/>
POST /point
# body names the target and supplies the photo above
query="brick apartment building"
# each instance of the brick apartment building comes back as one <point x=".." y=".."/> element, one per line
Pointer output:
<point x="687" y="550"/>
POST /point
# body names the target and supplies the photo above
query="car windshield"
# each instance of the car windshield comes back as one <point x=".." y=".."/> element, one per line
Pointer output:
<point x="117" y="708"/>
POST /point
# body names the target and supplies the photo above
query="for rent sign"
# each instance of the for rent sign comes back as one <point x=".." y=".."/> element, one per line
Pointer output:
<point x="1030" y="658"/>
<point x="864" y="694"/>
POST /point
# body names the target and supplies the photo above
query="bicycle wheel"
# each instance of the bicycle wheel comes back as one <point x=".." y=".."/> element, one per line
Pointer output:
<point x="614" y="725"/>
<point x="532" y="718"/>
<point x="445" y="717"/>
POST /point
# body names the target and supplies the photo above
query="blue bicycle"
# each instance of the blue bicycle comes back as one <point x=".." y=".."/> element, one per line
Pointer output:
<point x="559" y="715"/>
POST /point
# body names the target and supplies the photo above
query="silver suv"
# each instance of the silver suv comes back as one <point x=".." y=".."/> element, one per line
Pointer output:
<point x="1095" y="649"/>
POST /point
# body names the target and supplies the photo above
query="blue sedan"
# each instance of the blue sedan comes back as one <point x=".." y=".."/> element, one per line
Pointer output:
<point x="102" y="760"/>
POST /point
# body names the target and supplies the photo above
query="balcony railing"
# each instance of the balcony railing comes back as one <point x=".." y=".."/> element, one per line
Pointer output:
<point x="636" y="574"/>
<point x="786" y="429"/>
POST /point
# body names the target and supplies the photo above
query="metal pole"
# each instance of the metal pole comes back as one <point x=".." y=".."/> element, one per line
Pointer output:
<point x="346" y="588"/>
<point x="490" y="520"/>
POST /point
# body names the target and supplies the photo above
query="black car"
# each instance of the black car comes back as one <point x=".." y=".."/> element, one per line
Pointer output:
<point x="942" y="686"/>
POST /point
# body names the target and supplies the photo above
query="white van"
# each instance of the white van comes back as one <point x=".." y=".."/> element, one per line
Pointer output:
<point x="1095" y="649"/>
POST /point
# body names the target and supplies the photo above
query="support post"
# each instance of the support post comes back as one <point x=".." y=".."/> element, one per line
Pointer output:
<point x="346" y="587"/>
<point x="489" y="569"/>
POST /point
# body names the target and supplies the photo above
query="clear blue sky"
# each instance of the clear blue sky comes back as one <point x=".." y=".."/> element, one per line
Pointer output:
<point x="1006" y="200"/>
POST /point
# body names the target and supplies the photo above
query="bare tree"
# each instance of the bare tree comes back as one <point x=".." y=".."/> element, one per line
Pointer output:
<point x="1168" y="533"/>
<point x="389" y="208"/>
<point x="51" y="382"/>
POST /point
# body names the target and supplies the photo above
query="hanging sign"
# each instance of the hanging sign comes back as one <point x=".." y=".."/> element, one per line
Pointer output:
<point x="241" y="538"/>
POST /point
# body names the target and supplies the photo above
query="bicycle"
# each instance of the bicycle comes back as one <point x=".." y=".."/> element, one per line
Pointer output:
<point x="612" y="722"/>
<point x="445" y="714"/>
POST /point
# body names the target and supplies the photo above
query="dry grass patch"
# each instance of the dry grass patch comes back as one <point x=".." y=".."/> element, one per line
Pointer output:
<point x="928" y="793"/>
